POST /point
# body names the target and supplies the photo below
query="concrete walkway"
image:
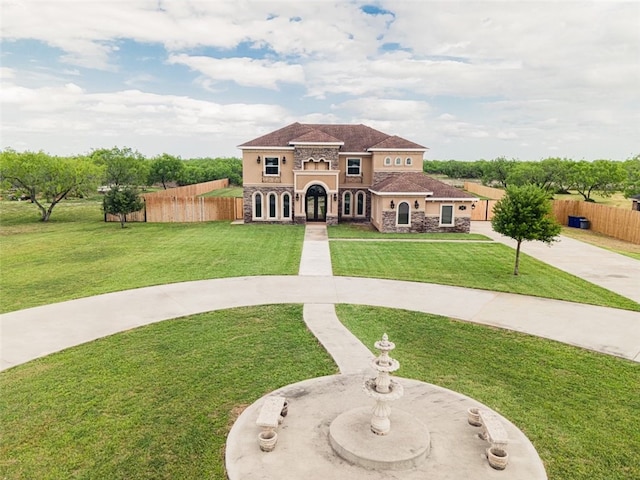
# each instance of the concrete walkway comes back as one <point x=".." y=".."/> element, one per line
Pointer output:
<point x="39" y="331"/>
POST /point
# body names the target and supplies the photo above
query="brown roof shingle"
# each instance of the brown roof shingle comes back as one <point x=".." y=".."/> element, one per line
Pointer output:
<point x="356" y="138"/>
<point x="416" y="182"/>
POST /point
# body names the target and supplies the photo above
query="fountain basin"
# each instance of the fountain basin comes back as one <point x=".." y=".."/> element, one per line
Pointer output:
<point x="304" y="448"/>
<point x="406" y="446"/>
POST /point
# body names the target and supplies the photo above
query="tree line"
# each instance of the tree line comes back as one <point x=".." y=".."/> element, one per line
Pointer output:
<point x="554" y="175"/>
<point x="46" y="179"/>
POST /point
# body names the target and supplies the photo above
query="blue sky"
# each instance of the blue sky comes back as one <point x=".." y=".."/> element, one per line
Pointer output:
<point x="468" y="79"/>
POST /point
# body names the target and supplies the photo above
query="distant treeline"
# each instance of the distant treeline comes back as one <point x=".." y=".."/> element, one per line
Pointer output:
<point x="557" y="175"/>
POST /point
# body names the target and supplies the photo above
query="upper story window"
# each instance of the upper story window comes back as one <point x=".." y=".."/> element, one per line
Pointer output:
<point x="408" y="161"/>
<point x="398" y="161"/>
<point x="271" y="166"/>
<point x="354" y="166"/>
<point x="387" y="161"/>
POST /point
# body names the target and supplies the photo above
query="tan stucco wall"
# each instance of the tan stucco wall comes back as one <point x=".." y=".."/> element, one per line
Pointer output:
<point x="252" y="170"/>
<point x="416" y="161"/>
<point x="366" y="164"/>
<point x="328" y="179"/>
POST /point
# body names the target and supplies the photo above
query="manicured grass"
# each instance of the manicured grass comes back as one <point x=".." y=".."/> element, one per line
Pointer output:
<point x="225" y="192"/>
<point x="77" y="254"/>
<point x="366" y="231"/>
<point x="487" y="266"/>
<point x="599" y="240"/>
<point x="579" y="409"/>
<point x="152" y="403"/>
<point x="615" y="200"/>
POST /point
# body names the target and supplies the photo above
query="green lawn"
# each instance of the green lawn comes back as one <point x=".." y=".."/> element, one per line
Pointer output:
<point x="234" y="191"/>
<point x="156" y="402"/>
<point x="152" y="403"/>
<point x="579" y="408"/>
<point x="366" y="231"/>
<point x="487" y="266"/>
<point x="77" y="255"/>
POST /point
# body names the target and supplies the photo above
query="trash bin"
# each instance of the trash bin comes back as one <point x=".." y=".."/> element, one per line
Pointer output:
<point x="574" y="221"/>
<point x="584" y="223"/>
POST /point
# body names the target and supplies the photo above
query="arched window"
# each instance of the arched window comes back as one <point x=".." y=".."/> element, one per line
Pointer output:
<point x="346" y="204"/>
<point x="408" y="161"/>
<point x="403" y="213"/>
<point x="286" y="205"/>
<point x="398" y="161"/>
<point x="387" y="161"/>
<point x="257" y="205"/>
<point x="360" y="199"/>
<point x="273" y="200"/>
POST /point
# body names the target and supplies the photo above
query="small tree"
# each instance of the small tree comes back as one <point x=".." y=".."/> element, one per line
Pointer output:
<point x="121" y="201"/>
<point x="165" y="168"/>
<point x="122" y="166"/>
<point x="523" y="214"/>
<point x="45" y="179"/>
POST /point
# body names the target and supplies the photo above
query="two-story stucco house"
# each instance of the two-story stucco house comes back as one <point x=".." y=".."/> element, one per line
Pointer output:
<point x="337" y="173"/>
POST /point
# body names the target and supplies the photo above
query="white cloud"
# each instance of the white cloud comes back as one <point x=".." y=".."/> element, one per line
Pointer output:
<point x="243" y="71"/>
<point x="478" y="77"/>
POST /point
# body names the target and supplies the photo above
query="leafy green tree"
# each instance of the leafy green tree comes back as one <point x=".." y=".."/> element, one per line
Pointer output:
<point x="46" y="179"/>
<point x="122" y="166"/>
<point x="524" y="214"/>
<point x="632" y="182"/>
<point x="165" y="168"/>
<point x="121" y="201"/>
<point x="602" y="176"/>
<point x="497" y="171"/>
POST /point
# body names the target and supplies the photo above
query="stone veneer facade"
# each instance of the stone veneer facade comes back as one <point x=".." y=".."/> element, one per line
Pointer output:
<point x="248" y="202"/>
<point x="303" y="153"/>
<point x="422" y="224"/>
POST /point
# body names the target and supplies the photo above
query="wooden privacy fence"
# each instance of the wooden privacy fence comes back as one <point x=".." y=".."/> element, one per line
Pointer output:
<point x="612" y="221"/>
<point x="190" y="190"/>
<point x="183" y="205"/>
<point x="489" y="192"/>
<point x="192" y="209"/>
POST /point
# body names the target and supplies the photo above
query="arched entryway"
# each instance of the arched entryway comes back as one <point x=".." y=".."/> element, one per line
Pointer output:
<point x="316" y="203"/>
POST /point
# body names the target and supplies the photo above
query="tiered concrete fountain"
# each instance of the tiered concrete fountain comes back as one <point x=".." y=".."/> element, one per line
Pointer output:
<point x="332" y="431"/>
<point x="364" y="436"/>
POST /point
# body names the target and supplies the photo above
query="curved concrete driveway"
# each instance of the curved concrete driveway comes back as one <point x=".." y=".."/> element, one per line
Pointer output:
<point x="39" y="331"/>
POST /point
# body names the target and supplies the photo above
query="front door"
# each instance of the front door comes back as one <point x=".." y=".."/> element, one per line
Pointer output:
<point x="316" y="202"/>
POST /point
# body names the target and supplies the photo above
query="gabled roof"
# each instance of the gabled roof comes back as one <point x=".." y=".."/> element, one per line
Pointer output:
<point x="354" y="138"/>
<point x="416" y="182"/>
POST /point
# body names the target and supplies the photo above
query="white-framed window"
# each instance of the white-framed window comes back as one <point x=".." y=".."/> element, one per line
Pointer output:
<point x="387" y="161"/>
<point x="272" y="200"/>
<point x="408" y="161"/>
<point x="286" y="205"/>
<point x="398" y="161"/>
<point x="257" y="206"/>
<point x="354" y="167"/>
<point x="346" y="204"/>
<point x="271" y="165"/>
<point x="360" y="204"/>
<point x="404" y="214"/>
<point x="446" y="216"/>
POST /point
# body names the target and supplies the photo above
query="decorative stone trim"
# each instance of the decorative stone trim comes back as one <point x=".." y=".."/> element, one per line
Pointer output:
<point x="247" y="197"/>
